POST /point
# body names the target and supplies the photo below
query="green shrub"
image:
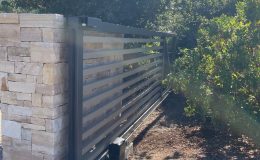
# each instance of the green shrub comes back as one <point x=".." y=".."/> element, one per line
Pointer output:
<point x="221" y="76"/>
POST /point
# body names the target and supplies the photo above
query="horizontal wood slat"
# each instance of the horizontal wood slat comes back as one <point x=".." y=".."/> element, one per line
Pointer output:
<point x="107" y="106"/>
<point x="88" y="146"/>
<point x="97" y="83"/>
<point x="91" y="70"/>
<point x="93" y="39"/>
<point x="91" y="101"/>
<point x="116" y="52"/>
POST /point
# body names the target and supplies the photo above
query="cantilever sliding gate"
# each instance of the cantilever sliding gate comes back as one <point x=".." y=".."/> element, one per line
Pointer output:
<point x="116" y="73"/>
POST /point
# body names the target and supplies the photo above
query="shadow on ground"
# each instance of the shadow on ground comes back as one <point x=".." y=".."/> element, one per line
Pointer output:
<point x="172" y="135"/>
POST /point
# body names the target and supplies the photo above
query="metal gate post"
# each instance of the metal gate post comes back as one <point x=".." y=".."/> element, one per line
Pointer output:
<point x="165" y="57"/>
<point x="75" y="42"/>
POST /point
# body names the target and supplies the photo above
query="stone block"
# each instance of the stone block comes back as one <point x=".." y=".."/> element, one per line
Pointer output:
<point x="47" y="52"/>
<point x="43" y="142"/>
<point x="4" y="108"/>
<point x="54" y="101"/>
<point x="31" y="78"/>
<point x="26" y="134"/>
<point x="18" y="51"/>
<point x="48" y="143"/>
<point x="28" y="68"/>
<point x="54" y="73"/>
<point x="8" y="98"/>
<point x="21" y="145"/>
<point x="19" y="59"/>
<point x="7" y="67"/>
<point x="12" y="154"/>
<point x="33" y="127"/>
<point x="42" y="20"/>
<point x="53" y="35"/>
<point x="11" y="129"/>
<point x="7" y="141"/>
<point x="27" y="103"/>
<point x="9" y="18"/>
<point x="56" y="125"/>
<point x="18" y="118"/>
<point x="38" y="121"/>
<point x="50" y="89"/>
<point x="17" y="77"/>
<point x="3" y="53"/>
<point x="31" y="35"/>
<point x="24" y="96"/>
<point x="23" y="87"/>
<point x="9" y="32"/>
<point x="38" y="156"/>
<point x="39" y="79"/>
<point x="50" y="113"/>
<point x="37" y="100"/>
<point x="19" y="110"/>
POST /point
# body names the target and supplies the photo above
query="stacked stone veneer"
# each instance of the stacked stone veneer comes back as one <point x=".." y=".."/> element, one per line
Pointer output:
<point x="33" y="85"/>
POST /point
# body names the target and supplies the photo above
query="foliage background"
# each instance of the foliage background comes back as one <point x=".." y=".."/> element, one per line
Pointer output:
<point x="220" y="77"/>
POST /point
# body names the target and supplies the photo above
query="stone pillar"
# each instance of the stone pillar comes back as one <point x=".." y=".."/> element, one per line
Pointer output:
<point x="33" y="87"/>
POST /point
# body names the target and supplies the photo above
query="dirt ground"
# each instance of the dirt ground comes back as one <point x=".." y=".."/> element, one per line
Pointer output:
<point x="168" y="134"/>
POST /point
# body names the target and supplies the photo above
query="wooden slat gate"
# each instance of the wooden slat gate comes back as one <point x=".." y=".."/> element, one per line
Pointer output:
<point x="115" y="78"/>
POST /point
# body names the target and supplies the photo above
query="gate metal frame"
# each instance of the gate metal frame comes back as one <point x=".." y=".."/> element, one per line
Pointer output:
<point x="75" y="44"/>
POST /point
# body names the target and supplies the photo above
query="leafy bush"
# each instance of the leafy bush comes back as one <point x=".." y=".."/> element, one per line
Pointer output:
<point x="221" y="76"/>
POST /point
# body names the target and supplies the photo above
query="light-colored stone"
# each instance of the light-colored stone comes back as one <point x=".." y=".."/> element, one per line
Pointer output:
<point x="24" y="96"/>
<point x="4" y="108"/>
<point x="19" y="59"/>
<point x="12" y="154"/>
<point x="8" y="98"/>
<point x="53" y="35"/>
<point x="33" y="127"/>
<point x="42" y="20"/>
<point x="38" y="121"/>
<point x="18" y="110"/>
<point x="47" y="52"/>
<point x="51" y="113"/>
<point x="9" y="18"/>
<point x="37" y="100"/>
<point x="38" y="156"/>
<point x="48" y="143"/>
<point x="7" y="141"/>
<point x="17" y="77"/>
<point x="18" y="118"/>
<point x="54" y="101"/>
<point x="31" y="78"/>
<point x="50" y="89"/>
<point x="21" y="145"/>
<point x="31" y="35"/>
<point x="3" y="53"/>
<point x="27" y="134"/>
<point x="28" y="68"/>
<point x="22" y="78"/>
<point x="7" y="67"/>
<point x="27" y="103"/>
<point x="9" y="32"/>
<point x="11" y="129"/>
<point x="39" y="79"/>
<point x="18" y="51"/>
<point x="56" y="125"/>
<point x="23" y="87"/>
<point x="54" y="73"/>
<point x="22" y="57"/>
